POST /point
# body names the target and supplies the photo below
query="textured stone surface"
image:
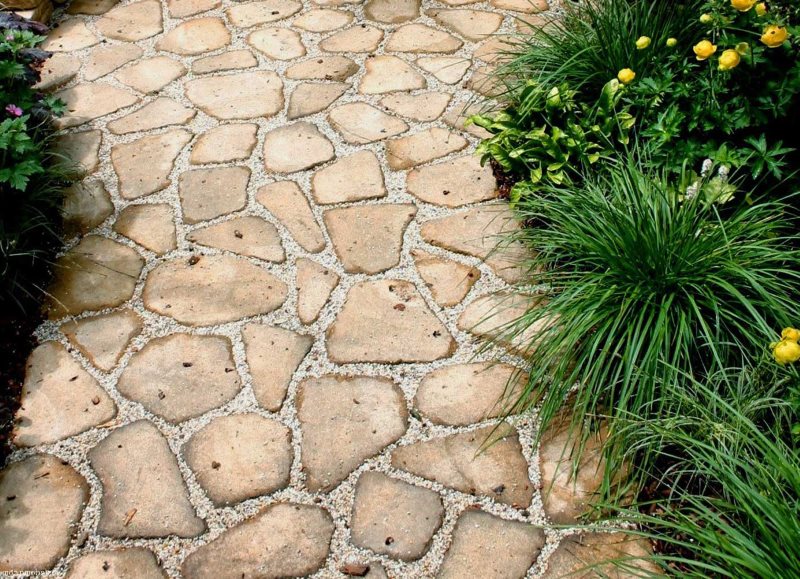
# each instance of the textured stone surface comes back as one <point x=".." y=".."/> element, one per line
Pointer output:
<point x="37" y="525"/>
<point x="161" y="112"/>
<point x="448" y="69"/>
<point x="143" y="166"/>
<point x="209" y="193"/>
<point x="86" y="102"/>
<point x="453" y="183"/>
<point x="248" y="14"/>
<point x="471" y="24"/>
<point x="81" y="150"/>
<point x="323" y="20"/>
<point x="250" y="236"/>
<point x="345" y="420"/>
<point x="422" y="107"/>
<point x="245" y="95"/>
<point x="495" y="317"/>
<point x="151" y="74"/>
<point x="360" y="123"/>
<point x="106" y="59"/>
<point x="70" y="36"/>
<point x="277" y="43"/>
<point x="314" y="286"/>
<point x="420" y="148"/>
<point x="583" y="556"/>
<point x="195" y="37"/>
<point x="323" y="68"/>
<point x="231" y="60"/>
<point x="132" y="22"/>
<point x="312" y="97"/>
<point x="143" y="492"/>
<point x="130" y="563"/>
<point x="152" y="226"/>
<point x="86" y="205"/>
<point x="58" y="70"/>
<point x="286" y="201"/>
<point x="360" y="38"/>
<point x="104" y="338"/>
<point x="392" y="11"/>
<point x="353" y="178"/>
<point x="389" y="74"/>
<point x="448" y="281"/>
<point x="224" y="143"/>
<point x="182" y="8"/>
<point x="295" y="148"/>
<point x="421" y="38"/>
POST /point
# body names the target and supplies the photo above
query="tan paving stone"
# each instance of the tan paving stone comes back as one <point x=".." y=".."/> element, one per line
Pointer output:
<point x="211" y="290"/>
<point x="525" y="6"/>
<point x="104" y="338"/>
<point x="344" y="421"/>
<point x="353" y="178"/>
<point x="184" y="8"/>
<point x="459" y="114"/>
<point x="59" y="398"/>
<point x="392" y="11"/>
<point x="144" y="494"/>
<point x="323" y="20"/>
<point x="315" y="284"/>
<point x="587" y="555"/>
<point x="97" y="273"/>
<point x="387" y="322"/>
<point x="489" y="547"/>
<point x="248" y="235"/>
<point x="496" y="48"/>
<point x="309" y="98"/>
<point x="421" y="38"/>
<point x="423" y="147"/>
<point x="277" y="43"/>
<point x="493" y="317"/>
<point x="423" y="107"/>
<point x="195" y="37"/>
<point x="485" y="462"/>
<point x="360" y="123"/>
<point x="283" y="540"/>
<point x="151" y="74"/>
<point x="333" y="67"/>
<point x="286" y="201"/>
<point x="181" y="376"/>
<point x="453" y="183"/>
<point x="92" y="7"/>
<point x="231" y="60"/>
<point x="117" y="564"/>
<point x="161" y="112"/>
<point x="273" y="356"/>
<point x="106" y="59"/>
<point x="473" y="25"/>
<point x="394" y="518"/>
<point x="37" y="526"/>
<point x="86" y="102"/>
<point x="369" y="238"/>
<point x="81" y="150"/>
<point x="448" y="281"/>
<point x="249" y="14"/>
<point x="152" y="226"/>
<point x="484" y="82"/>
<point x="86" y="205"/>
<point x="224" y="144"/>
<point x="143" y="166"/>
<point x="296" y="147"/>
<point x="58" y="70"/>
<point x="448" y="69"/>
<point x="240" y="457"/>
<point x="209" y="193"/>
<point x="70" y="36"/>
<point x="132" y="22"/>
<point x="244" y="95"/>
<point x="360" y="38"/>
<point x="387" y="73"/>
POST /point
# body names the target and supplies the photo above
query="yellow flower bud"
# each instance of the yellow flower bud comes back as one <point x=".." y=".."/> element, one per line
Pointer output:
<point x="774" y="36"/>
<point x="743" y="5"/>
<point x="626" y="76"/>
<point x="786" y="352"/>
<point x="643" y="42"/>
<point x="672" y="42"/>
<point x="704" y="49"/>
<point x="706" y="19"/>
<point x="761" y="8"/>
<point x="729" y="59"/>
<point x="742" y="48"/>
<point x="792" y="334"/>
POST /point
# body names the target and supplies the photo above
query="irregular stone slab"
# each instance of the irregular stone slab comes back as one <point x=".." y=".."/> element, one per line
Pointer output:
<point x="448" y="69"/>
<point x="209" y="193"/>
<point x="495" y="317"/>
<point x="458" y="115"/>
<point x="423" y="107"/>
<point x="448" y="281"/>
<point x="224" y="143"/>
<point x="247" y="235"/>
<point x="161" y="112"/>
<point x="273" y="356"/>
<point x="132" y="22"/>
<point x="473" y="25"/>
<point x="486" y="462"/>
<point x="463" y="394"/>
<point x="217" y="289"/>
<point x="420" y="148"/>
<point x="250" y="14"/>
<point x="497" y="49"/>
<point x="453" y="183"/>
<point x="106" y="59"/>
<point x="95" y="274"/>
<point x="86" y="102"/>
<point x="360" y="123"/>
<point x="283" y="540"/>
<point x="151" y="74"/>
<point x="118" y="564"/>
<point x="103" y="339"/>
<point x="91" y="6"/>
<point x="484" y="82"/>
<point x="286" y="201"/>
<point x="360" y="38"/>
<point x="524" y="6"/>
<point x="394" y="518"/>
<point x="195" y="37"/>
<point x="59" y="398"/>
<point x="86" y="205"/>
<point x="296" y="147"/>
<point x="70" y="36"/>
<point x="144" y="495"/>
<point x="277" y="43"/>
<point x="387" y="322"/>
<point x="488" y="546"/>
<point x="323" y="20"/>
<point x="315" y="284"/>
<point x="36" y="528"/>
<point x="143" y="166"/>
<point x="335" y="67"/>
<point x="421" y="38"/>
<point x="483" y="232"/>
<point x="245" y="95"/>
<point x="151" y="226"/>
<point x="240" y="457"/>
<point x="369" y="238"/>
<point x="387" y="73"/>
<point x="344" y="421"/>
<point x="184" y="8"/>
<point x="231" y="60"/>
<point x="81" y="150"/>
<point x="392" y="11"/>
<point x="352" y="178"/>
<point x="181" y="376"/>
<point x="58" y="70"/>
<point x="590" y="555"/>
<point x="309" y="98"/>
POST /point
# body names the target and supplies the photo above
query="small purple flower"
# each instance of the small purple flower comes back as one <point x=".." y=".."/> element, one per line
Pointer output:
<point x="14" y="110"/>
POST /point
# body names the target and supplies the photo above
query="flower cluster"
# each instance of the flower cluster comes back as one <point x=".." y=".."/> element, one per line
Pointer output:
<point x="787" y="350"/>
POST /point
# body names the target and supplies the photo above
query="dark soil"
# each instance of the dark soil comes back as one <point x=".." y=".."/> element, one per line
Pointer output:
<point x="505" y="181"/>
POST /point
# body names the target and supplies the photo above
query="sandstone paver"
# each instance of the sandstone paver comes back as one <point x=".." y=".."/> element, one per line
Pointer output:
<point x="315" y="283"/>
<point x="58" y="70"/>
<point x="104" y="338"/>
<point x="195" y="37"/>
<point x="583" y="555"/>
<point x="453" y="183"/>
<point x="151" y="74"/>
<point x="150" y="225"/>
<point x="353" y="178"/>
<point x="249" y="14"/>
<point x="420" y="148"/>
<point x="361" y="123"/>
<point x="296" y="147"/>
<point x="333" y="67"/>
<point x="230" y="60"/>
<point x="422" y="107"/>
<point x="471" y="24"/>
<point x="418" y="38"/>
<point x="286" y="201"/>
<point x="106" y="59"/>
<point x="143" y="166"/>
<point x="81" y="150"/>
<point x="209" y="193"/>
<point x="388" y="73"/>
<point x="448" y="69"/>
<point x="70" y="36"/>
<point x="161" y="112"/>
<point x="392" y="11"/>
<point x="323" y="20"/>
<point x="130" y="563"/>
<point x="312" y="97"/>
<point x="132" y="22"/>
<point x="225" y="143"/>
<point x="86" y="205"/>
<point x="244" y="95"/>
<point x="361" y="38"/>
<point x="249" y="235"/>
<point x="277" y="43"/>
<point x="449" y="281"/>
<point x="86" y="102"/>
<point x="183" y="8"/>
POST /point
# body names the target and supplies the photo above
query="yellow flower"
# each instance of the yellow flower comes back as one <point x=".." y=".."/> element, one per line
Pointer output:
<point x="774" y="36"/>
<point x="742" y="48"/>
<point x="626" y="76"/>
<point x="643" y="42"/>
<point x="729" y="59"/>
<point x="761" y="8"/>
<point x="743" y="5"/>
<point x="706" y="18"/>
<point x="792" y="334"/>
<point x="704" y="49"/>
<point x="671" y="42"/>
<point x="786" y="352"/>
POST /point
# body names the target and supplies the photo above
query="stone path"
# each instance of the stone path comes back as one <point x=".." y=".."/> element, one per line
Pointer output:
<point x="261" y="358"/>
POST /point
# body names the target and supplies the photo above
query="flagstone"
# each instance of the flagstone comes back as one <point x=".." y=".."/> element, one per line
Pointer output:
<point x="184" y="8"/>
<point x="448" y="69"/>
<point x="106" y="59"/>
<point x="151" y="74"/>
<point x="86" y="102"/>
<point x="81" y="150"/>
<point x="277" y="43"/>
<point x="248" y="235"/>
<point x="360" y="38"/>
<point x="195" y="37"/>
<point x="315" y="284"/>
<point x="423" y="107"/>
<point x="161" y="112"/>
<point x="471" y="24"/>
<point x="421" y="38"/>
<point x="353" y="178"/>
<point x="143" y="166"/>
<point x="334" y="67"/>
<point x="484" y="82"/>
<point x="392" y="11"/>
<point x="58" y="70"/>
<point x="423" y="147"/>
<point x="132" y="22"/>
<point x="386" y="73"/>
<point x="117" y="564"/>
<point x="86" y="205"/>
<point x="70" y="36"/>
<point x="244" y="95"/>
<point x="309" y="98"/>
<point x="286" y="201"/>
<point x="230" y="60"/>
<point x="150" y="225"/>
<point x="448" y="281"/>
<point x="595" y="553"/>
<point x="459" y="114"/>
<point x="209" y="193"/>
<point x="249" y="14"/>
<point x="91" y="7"/>
<point x="104" y="338"/>
<point x="224" y="143"/>
<point x="323" y="20"/>
<point x="296" y="147"/>
<point x="361" y="123"/>
<point x="493" y="317"/>
<point x="525" y="6"/>
<point x="453" y="183"/>
<point x="496" y="49"/>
